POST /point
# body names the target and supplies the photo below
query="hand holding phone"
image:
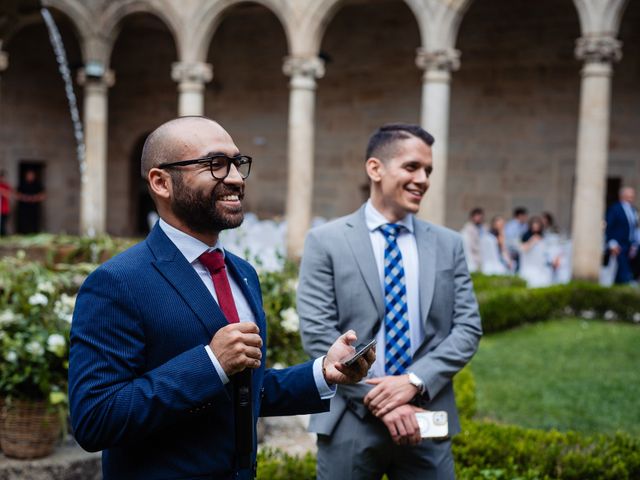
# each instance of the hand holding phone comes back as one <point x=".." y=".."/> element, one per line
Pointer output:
<point x="361" y="351"/>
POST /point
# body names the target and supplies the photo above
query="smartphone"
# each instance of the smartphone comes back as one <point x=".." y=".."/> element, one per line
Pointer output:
<point x="433" y="424"/>
<point x="361" y="351"/>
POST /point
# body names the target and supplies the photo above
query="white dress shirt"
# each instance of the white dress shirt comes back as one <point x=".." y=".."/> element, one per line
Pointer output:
<point x="409" y="249"/>
<point x="192" y="248"/>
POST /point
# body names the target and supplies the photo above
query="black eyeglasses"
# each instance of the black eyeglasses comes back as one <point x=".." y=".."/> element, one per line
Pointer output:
<point x="219" y="165"/>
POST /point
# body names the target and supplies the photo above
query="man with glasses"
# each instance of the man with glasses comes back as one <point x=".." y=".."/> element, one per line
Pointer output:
<point x="167" y="371"/>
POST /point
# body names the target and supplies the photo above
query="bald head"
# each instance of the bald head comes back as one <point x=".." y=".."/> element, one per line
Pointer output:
<point x="627" y="194"/>
<point x="172" y="140"/>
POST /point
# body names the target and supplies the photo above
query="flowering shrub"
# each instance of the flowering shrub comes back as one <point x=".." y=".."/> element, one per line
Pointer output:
<point x="284" y="347"/>
<point x="36" y="305"/>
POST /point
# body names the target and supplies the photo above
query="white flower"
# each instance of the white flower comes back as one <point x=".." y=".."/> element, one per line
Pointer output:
<point x="610" y="315"/>
<point x="38" y="299"/>
<point x="290" y="320"/>
<point x="56" y="344"/>
<point x="7" y="316"/>
<point x="11" y="356"/>
<point x="46" y="287"/>
<point x="636" y="317"/>
<point x="292" y="284"/>
<point x="34" y="348"/>
<point x="588" y="314"/>
<point x="64" y="306"/>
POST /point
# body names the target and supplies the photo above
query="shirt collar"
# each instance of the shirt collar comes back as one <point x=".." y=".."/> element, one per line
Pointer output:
<point x="374" y="219"/>
<point x="189" y="246"/>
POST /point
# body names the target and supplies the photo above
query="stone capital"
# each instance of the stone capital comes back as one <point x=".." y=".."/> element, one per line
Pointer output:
<point x="309" y="67"/>
<point x="598" y="48"/>
<point x="443" y="60"/>
<point x="4" y="60"/>
<point x="107" y="78"/>
<point x="192" y="72"/>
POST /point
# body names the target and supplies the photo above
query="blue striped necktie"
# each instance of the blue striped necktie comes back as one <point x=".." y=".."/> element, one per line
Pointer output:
<point x="396" y="317"/>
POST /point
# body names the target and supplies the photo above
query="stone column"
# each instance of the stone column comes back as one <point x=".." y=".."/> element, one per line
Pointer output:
<point x="93" y="189"/>
<point x="436" y="86"/>
<point x="191" y="77"/>
<point x="598" y="53"/>
<point x="303" y="72"/>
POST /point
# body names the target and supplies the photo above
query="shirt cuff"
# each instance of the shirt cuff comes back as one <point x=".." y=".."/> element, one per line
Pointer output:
<point x="326" y="392"/>
<point x="216" y="364"/>
<point x="613" y="243"/>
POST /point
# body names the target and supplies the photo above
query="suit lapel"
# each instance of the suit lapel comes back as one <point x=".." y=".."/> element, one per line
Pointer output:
<point x="426" y="242"/>
<point x="359" y="241"/>
<point x="180" y="274"/>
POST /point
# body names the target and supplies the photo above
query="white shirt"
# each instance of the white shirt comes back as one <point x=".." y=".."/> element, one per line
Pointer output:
<point x="409" y="249"/>
<point x="192" y="248"/>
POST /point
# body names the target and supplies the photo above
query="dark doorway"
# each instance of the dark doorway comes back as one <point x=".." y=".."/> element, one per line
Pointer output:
<point x="613" y="187"/>
<point x="31" y="191"/>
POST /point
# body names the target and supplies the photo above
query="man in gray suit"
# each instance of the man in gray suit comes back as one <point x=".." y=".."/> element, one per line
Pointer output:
<point x="389" y="276"/>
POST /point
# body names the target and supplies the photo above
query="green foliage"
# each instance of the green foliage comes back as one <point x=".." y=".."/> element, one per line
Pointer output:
<point x="569" y="374"/>
<point x="464" y="386"/>
<point x="505" y="308"/>
<point x="36" y="305"/>
<point x="52" y="249"/>
<point x="277" y="465"/>
<point x="284" y="346"/>
<point x="483" y="283"/>
<point x="487" y="451"/>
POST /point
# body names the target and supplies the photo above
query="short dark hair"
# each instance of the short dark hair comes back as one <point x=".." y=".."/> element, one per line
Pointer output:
<point x="476" y="211"/>
<point x="519" y="211"/>
<point x="387" y="135"/>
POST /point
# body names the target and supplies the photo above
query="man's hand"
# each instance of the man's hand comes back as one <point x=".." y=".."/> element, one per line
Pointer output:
<point x="237" y="346"/>
<point x="403" y="425"/>
<point x="389" y="393"/>
<point x="335" y="372"/>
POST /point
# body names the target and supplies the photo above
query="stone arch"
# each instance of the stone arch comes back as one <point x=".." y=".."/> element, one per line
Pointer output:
<point x="79" y="16"/>
<point x="209" y="17"/>
<point x="116" y="13"/>
<point x="132" y="114"/>
<point x="313" y="28"/>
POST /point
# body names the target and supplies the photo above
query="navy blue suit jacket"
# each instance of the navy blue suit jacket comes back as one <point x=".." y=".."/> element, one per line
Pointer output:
<point x="141" y="385"/>
<point x="618" y="227"/>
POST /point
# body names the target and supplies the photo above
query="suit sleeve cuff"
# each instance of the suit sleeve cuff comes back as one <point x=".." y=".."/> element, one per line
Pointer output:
<point x="216" y="364"/>
<point x="326" y="392"/>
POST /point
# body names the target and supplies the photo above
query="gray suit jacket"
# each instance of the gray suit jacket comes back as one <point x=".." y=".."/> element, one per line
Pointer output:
<point x="340" y="289"/>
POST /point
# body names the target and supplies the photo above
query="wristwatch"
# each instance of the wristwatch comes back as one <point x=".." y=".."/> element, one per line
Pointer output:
<point x="416" y="382"/>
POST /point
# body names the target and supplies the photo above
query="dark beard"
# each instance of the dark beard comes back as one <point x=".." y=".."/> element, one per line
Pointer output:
<point x="198" y="211"/>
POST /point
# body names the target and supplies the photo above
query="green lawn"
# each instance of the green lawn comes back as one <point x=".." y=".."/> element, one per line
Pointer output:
<point x="567" y="374"/>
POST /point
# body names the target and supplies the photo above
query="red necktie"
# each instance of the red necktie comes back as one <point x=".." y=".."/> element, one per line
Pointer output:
<point x="214" y="261"/>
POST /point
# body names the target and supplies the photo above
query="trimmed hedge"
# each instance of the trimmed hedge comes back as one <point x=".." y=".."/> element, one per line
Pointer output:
<point x="488" y="450"/>
<point x="505" y="308"/>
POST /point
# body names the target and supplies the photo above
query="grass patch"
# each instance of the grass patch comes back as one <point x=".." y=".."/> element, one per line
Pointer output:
<point x="566" y="374"/>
